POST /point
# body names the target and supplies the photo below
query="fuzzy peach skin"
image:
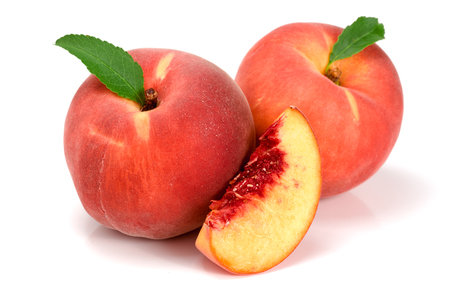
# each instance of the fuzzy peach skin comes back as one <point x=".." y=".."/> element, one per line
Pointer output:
<point x="356" y="123"/>
<point x="152" y="174"/>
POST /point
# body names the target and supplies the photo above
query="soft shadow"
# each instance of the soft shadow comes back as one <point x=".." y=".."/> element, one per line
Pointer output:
<point x="393" y="193"/>
<point x="140" y="252"/>
<point x="82" y="224"/>
<point x="390" y="195"/>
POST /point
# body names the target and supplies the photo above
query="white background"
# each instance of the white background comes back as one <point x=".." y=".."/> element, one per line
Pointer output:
<point x="386" y="239"/>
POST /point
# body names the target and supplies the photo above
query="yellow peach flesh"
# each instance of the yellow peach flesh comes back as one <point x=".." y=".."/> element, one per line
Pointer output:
<point x="269" y="228"/>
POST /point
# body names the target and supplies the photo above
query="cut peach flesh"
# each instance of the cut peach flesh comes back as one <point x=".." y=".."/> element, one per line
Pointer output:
<point x="261" y="228"/>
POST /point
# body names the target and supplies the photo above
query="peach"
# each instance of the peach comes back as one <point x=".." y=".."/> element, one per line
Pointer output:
<point x="152" y="173"/>
<point x="269" y="206"/>
<point x="356" y="123"/>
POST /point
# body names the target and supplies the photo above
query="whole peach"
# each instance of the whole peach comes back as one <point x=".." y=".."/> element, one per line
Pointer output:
<point x="356" y="122"/>
<point x="153" y="173"/>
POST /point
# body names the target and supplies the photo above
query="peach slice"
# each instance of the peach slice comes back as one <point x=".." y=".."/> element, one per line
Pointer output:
<point x="268" y="207"/>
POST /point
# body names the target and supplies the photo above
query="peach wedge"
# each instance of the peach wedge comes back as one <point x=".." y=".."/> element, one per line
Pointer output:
<point x="269" y="206"/>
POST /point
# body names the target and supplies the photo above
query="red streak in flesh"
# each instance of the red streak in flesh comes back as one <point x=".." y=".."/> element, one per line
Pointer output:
<point x="266" y="164"/>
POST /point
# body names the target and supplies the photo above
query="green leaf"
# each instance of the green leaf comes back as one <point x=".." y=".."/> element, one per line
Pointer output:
<point x="354" y="38"/>
<point x="112" y="65"/>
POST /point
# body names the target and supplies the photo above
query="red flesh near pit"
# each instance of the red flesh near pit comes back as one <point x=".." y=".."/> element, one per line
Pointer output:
<point x="266" y="164"/>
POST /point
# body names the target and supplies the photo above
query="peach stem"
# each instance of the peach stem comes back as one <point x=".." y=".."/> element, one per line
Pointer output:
<point x="151" y="100"/>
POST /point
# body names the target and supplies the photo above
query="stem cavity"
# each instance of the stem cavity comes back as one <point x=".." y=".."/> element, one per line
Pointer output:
<point x="334" y="74"/>
<point x="151" y="100"/>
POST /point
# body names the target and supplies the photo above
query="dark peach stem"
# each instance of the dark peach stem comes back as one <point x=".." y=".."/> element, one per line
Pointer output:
<point x="334" y="74"/>
<point x="151" y="100"/>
